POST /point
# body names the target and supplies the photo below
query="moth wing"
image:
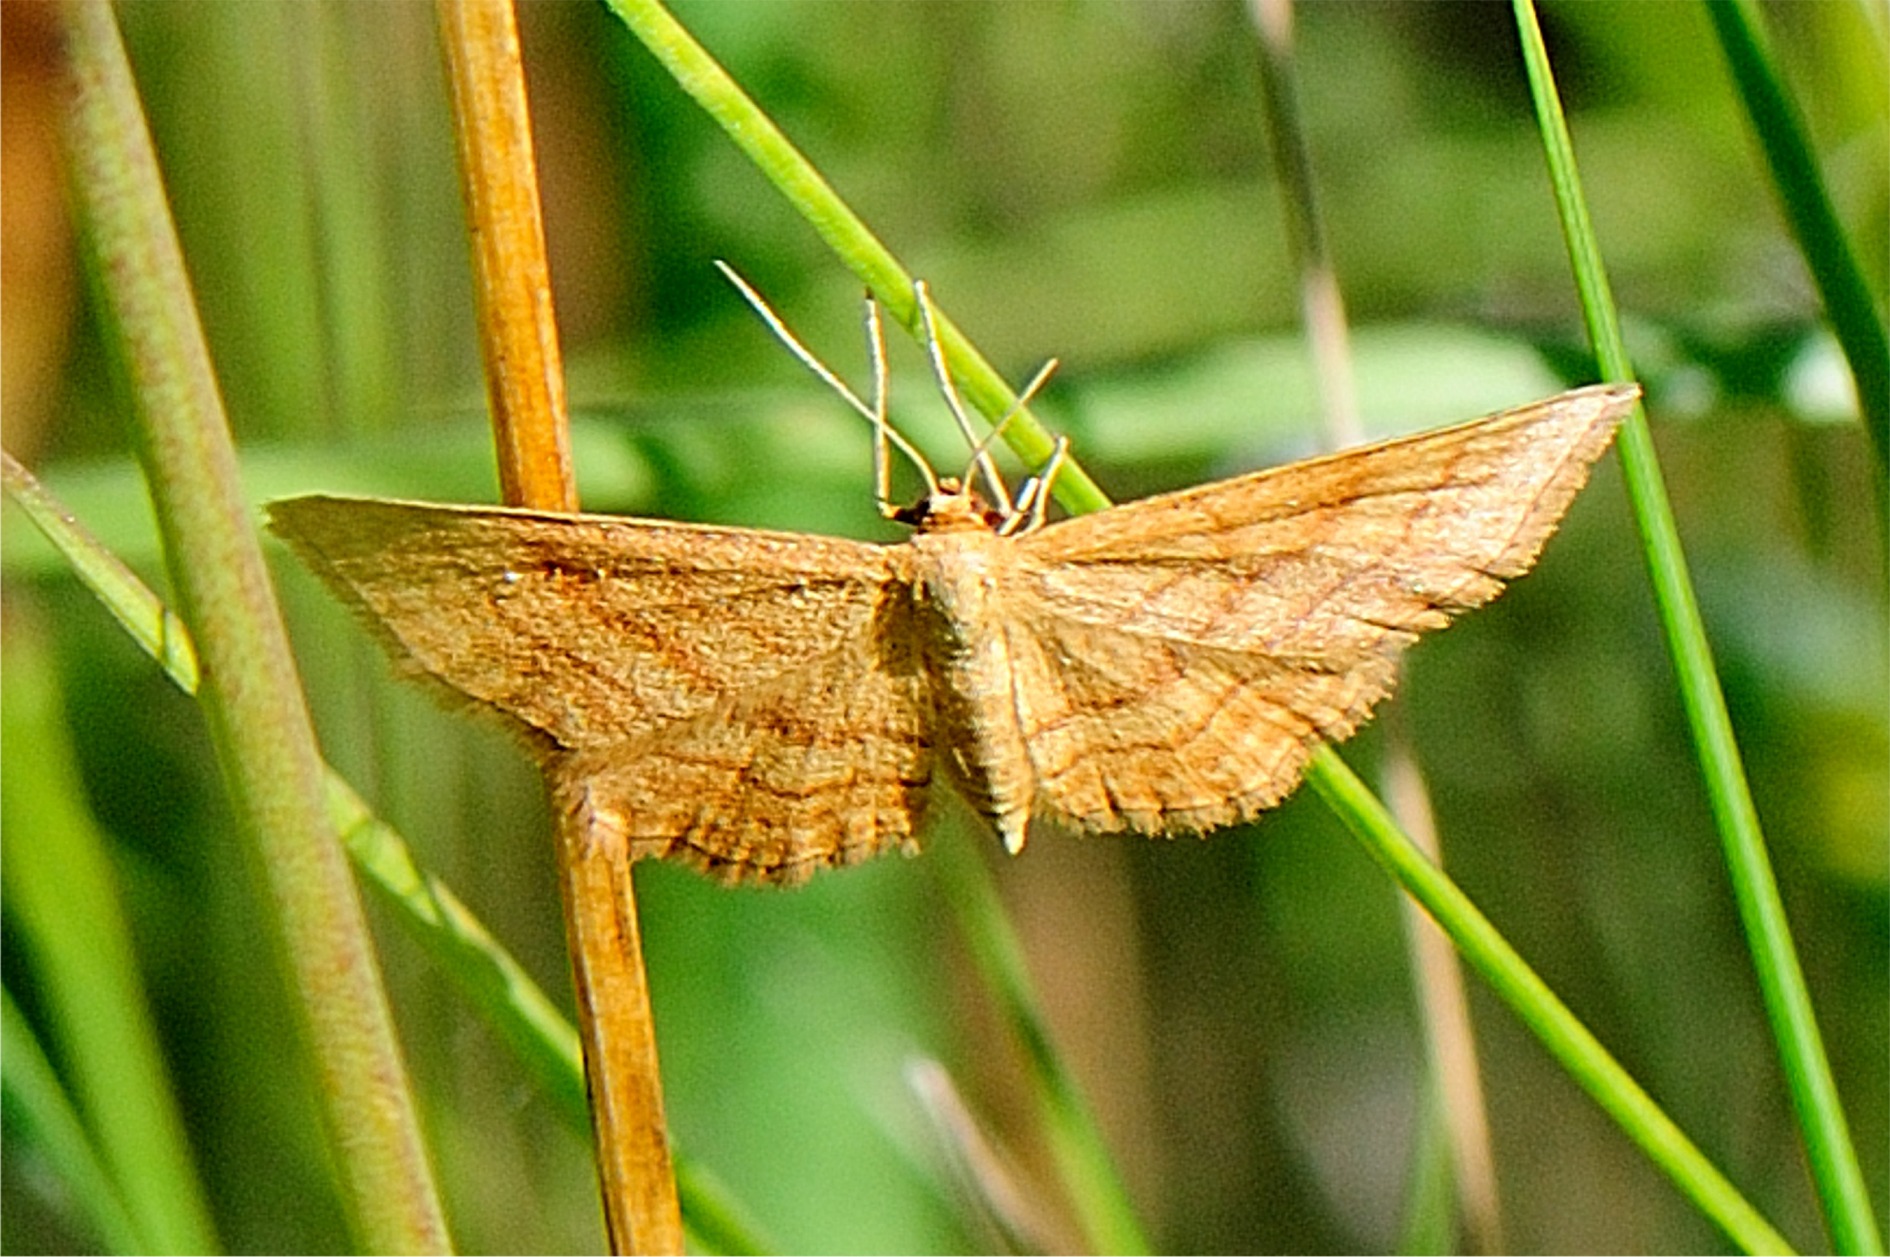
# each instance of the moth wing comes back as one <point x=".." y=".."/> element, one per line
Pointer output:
<point x="748" y="701"/>
<point x="829" y="763"/>
<point x="1186" y="650"/>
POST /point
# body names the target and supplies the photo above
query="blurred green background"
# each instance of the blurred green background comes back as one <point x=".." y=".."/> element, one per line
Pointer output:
<point x="1085" y="180"/>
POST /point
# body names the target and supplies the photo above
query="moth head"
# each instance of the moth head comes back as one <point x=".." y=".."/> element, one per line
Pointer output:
<point x="952" y="507"/>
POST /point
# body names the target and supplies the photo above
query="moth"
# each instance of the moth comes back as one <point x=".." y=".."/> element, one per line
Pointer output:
<point x="764" y="704"/>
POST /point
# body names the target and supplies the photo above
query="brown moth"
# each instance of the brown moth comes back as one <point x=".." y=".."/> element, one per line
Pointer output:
<point x="762" y="704"/>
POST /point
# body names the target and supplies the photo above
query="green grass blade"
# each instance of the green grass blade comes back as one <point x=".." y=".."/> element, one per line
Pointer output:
<point x="1579" y="1052"/>
<point x="252" y="699"/>
<point x="492" y="981"/>
<point x="516" y="1008"/>
<point x="40" y="1116"/>
<point x="1083" y="1161"/>
<point x="1835" y="1169"/>
<point x="713" y="1216"/>
<point x="487" y="975"/>
<point x="1780" y="128"/>
<point x="62" y="898"/>
<point x="1429" y="1222"/>
<point x="138" y="611"/>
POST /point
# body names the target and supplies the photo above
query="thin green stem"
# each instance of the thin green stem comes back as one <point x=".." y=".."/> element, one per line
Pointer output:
<point x="138" y="611"/>
<point x="1834" y="1165"/>
<point x="1580" y="1053"/>
<point x="39" y="1114"/>
<point x="698" y="74"/>
<point x="1780" y="128"/>
<point x="252" y="700"/>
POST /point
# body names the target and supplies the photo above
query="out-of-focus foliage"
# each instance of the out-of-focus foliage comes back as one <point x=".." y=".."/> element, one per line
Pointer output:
<point x="1090" y="181"/>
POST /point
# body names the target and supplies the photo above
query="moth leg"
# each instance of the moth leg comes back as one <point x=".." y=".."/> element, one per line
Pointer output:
<point x="1035" y="498"/>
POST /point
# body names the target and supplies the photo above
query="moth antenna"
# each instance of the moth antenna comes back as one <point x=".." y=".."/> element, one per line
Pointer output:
<point x="980" y="450"/>
<point x="883" y="431"/>
<point x="1035" y="498"/>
